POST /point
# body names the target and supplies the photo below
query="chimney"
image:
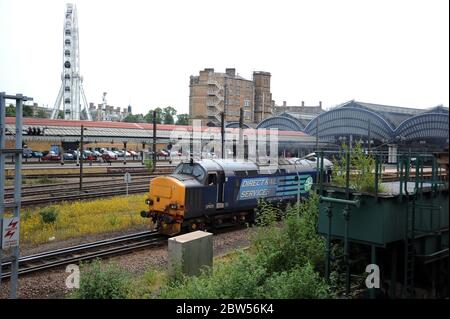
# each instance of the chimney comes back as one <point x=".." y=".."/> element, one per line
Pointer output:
<point x="320" y="104"/>
<point x="303" y="103"/>
<point x="231" y="72"/>
<point x="284" y="103"/>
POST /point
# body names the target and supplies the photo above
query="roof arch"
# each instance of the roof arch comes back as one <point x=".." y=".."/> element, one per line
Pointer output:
<point x="283" y="123"/>
<point x="301" y="123"/>
<point x="235" y="124"/>
<point x="350" y="121"/>
<point x="423" y="126"/>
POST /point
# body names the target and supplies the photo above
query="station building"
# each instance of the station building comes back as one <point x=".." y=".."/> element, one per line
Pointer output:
<point x="46" y="134"/>
<point x="374" y="124"/>
<point x="389" y="128"/>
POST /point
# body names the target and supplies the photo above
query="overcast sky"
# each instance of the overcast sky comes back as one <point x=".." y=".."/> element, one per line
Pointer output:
<point x="142" y="52"/>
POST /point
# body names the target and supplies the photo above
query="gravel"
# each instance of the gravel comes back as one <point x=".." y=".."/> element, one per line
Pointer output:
<point x="51" y="284"/>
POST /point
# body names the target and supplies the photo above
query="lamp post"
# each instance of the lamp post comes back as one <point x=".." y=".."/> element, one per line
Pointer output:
<point x="81" y="156"/>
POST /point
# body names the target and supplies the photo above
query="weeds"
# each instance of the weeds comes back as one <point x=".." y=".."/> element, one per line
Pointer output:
<point x="362" y="170"/>
<point x="74" y="219"/>
<point x="97" y="282"/>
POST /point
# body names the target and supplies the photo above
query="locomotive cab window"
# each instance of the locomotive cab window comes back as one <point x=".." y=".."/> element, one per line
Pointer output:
<point x="212" y="179"/>
<point x="192" y="170"/>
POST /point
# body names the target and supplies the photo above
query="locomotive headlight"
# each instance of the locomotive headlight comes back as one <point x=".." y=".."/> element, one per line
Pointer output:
<point x="173" y="206"/>
<point x="149" y="202"/>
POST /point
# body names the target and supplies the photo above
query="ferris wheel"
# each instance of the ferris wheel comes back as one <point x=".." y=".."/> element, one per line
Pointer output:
<point x="72" y="82"/>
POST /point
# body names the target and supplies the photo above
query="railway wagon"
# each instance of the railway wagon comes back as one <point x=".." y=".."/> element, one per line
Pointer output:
<point x="218" y="193"/>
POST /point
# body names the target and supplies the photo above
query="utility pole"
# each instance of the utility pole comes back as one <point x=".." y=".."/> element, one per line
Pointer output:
<point x="125" y="153"/>
<point x="222" y="133"/>
<point x="81" y="157"/>
<point x="154" y="140"/>
<point x="241" y="133"/>
<point x="369" y="135"/>
<point x="10" y="239"/>
<point x="317" y="134"/>
<point x="225" y="98"/>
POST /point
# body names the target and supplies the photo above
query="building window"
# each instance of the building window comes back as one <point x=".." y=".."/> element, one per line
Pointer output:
<point x="246" y="102"/>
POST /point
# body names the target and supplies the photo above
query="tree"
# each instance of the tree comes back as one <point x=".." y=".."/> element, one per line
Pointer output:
<point x="11" y="110"/>
<point x="27" y="111"/>
<point x="168" y="114"/>
<point x="130" y="118"/>
<point x="182" y="119"/>
<point x="61" y="114"/>
<point x="41" y="114"/>
<point x="134" y="118"/>
<point x="159" y="116"/>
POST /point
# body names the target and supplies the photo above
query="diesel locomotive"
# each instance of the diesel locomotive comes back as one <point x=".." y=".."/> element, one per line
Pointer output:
<point x="219" y="192"/>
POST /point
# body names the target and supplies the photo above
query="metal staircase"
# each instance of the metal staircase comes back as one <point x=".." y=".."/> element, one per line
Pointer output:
<point x="428" y="211"/>
<point x="214" y="107"/>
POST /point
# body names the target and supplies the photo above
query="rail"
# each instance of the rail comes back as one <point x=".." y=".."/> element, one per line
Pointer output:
<point x="88" y="251"/>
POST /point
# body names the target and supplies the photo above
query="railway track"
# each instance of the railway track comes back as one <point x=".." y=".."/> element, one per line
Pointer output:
<point x="102" y="248"/>
<point x="72" y="197"/>
<point x="74" y="186"/>
<point x="55" y="193"/>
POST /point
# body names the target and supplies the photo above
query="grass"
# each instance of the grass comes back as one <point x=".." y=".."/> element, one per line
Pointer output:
<point x="77" y="219"/>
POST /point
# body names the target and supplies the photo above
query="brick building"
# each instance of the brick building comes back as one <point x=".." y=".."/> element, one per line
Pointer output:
<point x="212" y="93"/>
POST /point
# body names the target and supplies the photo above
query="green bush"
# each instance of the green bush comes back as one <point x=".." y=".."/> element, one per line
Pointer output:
<point x="362" y="170"/>
<point x="97" y="282"/>
<point x="296" y="243"/>
<point x="49" y="215"/>
<point x="241" y="278"/>
<point x="281" y="263"/>
<point x="298" y="283"/>
<point x="149" y="165"/>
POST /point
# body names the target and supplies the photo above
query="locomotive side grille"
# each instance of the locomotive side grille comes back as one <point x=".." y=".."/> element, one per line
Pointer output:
<point x="193" y="199"/>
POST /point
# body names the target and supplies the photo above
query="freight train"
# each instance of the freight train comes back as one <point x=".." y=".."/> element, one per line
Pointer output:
<point x="219" y="192"/>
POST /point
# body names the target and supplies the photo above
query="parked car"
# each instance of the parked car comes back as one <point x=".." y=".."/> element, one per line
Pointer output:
<point x="37" y="154"/>
<point x="68" y="156"/>
<point x="96" y="153"/>
<point x="108" y="156"/>
<point x="27" y="153"/>
<point x="163" y="153"/>
<point x="133" y="153"/>
<point x="88" y="155"/>
<point x="311" y="161"/>
<point x="175" y="153"/>
<point x="51" y="156"/>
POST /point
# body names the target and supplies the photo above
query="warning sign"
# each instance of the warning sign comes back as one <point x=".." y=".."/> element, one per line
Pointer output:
<point x="10" y="232"/>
